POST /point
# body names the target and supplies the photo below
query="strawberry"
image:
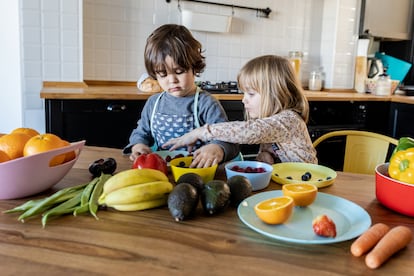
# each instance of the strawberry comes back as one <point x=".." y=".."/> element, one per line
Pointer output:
<point x="324" y="226"/>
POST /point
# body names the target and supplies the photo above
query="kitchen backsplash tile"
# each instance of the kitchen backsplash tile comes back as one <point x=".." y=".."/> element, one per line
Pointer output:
<point x="293" y="25"/>
<point x="108" y="42"/>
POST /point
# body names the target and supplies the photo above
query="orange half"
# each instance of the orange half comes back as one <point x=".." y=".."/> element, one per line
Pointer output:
<point x="275" y="210"/>
<point x="303" y="194"/>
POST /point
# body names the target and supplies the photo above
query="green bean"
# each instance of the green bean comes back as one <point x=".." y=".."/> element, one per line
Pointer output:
<point x="97" y="191"/>
<point x="87" y="191"/>
<point x="81" y="209"/>
<point x="64" y="208"/>
<point x="23" y="207"/>
<point x="33" y="202"/>
<point x="50" y="201"/>
<point x="86" y="194"/>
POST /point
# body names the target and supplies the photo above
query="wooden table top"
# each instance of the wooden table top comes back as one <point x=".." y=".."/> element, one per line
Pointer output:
<point x="151" y="243"/>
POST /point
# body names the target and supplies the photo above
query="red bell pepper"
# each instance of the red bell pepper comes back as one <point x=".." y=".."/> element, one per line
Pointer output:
<point x="151" y="161"/>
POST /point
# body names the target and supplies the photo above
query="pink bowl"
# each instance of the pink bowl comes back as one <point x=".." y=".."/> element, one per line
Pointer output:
<point x="392" y="193"/>
<point x="30" y="175"/>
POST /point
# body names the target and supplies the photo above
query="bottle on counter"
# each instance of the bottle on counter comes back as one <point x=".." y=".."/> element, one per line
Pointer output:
<point x="384" y="83"/>
<point x="295" y="58"/>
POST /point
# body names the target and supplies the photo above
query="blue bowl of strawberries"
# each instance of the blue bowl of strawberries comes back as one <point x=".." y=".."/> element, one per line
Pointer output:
<point x="258" y="173"/>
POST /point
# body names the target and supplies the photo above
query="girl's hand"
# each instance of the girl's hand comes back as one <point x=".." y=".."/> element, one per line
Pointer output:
<point x="139" y="149"/>
<point x="207" y="156"/>
<point x="188" y="140"/>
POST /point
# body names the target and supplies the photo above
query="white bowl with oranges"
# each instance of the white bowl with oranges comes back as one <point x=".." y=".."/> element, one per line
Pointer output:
<point x="31" y="165"/>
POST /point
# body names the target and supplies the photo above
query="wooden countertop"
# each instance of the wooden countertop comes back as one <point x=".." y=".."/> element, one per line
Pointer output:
<point x="151" y="243"/>
<point x="125" y="91"/>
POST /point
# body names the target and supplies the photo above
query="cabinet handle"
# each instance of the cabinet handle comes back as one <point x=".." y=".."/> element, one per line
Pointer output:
<point x="116" y="107"/>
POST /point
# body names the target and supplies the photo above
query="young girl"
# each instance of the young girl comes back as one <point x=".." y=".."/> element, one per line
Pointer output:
<point x="174" y="58"/>
<point x="277" y="112"/>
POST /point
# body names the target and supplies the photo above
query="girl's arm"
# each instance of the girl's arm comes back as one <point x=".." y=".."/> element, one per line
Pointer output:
<point x="258" y="131"/>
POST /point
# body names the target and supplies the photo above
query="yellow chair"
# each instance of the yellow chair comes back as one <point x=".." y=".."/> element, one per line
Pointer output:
<point x="363" y="150"/>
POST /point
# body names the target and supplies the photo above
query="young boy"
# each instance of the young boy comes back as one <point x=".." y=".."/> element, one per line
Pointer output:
<point x="174" y="58"/>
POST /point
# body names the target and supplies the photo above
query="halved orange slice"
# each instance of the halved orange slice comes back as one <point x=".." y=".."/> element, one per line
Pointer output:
<point x="303" y="194"/>
<point x="275" y="210"/>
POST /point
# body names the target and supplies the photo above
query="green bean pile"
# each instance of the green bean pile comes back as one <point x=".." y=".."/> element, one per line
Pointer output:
<point x="76" y="200"/>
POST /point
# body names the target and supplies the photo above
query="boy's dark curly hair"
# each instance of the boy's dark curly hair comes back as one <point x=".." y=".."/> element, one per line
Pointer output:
<point x="177" y="42"/>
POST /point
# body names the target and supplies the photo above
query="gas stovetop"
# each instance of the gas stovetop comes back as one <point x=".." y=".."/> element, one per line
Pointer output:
<point x="220" y="87"/>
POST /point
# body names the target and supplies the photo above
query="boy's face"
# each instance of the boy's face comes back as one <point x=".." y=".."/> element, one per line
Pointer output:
<point x="175" y="80"/>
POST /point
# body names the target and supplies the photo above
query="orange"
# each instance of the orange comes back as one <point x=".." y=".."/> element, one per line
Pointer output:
<point x="45" y="142"/>
<point x="275" y="210"/>
<point x="3" y="156"/>
<point x="26" y="130"/>
<point x="303" y="194"/>
<point x="13" y="144"/>
<point x="69" y="155"/>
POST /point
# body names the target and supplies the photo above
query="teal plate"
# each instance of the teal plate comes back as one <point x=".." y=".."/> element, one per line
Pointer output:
<point x="350" y="219"/>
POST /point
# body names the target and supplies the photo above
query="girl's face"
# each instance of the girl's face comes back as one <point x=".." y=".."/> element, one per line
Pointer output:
<point x="175" y="80"/>
<point x="252" y="101"/>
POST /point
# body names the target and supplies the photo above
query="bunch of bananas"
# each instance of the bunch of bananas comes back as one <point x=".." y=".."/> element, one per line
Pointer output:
<point x="136" y="189"/>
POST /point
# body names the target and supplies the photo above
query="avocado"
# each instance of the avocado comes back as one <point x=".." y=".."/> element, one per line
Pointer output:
<point x="192" y="178"/>
<point x="215" y="196"/>
<point x="240" y="188"/>
<point x="183" y="201"/>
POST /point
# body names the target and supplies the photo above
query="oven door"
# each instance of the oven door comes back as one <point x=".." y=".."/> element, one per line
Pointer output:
<point x="328" y="116"/>
<point x="330" y="153"/>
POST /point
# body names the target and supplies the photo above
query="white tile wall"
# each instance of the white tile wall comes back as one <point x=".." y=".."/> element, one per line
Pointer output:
<point x="115" y="34"/>
<point x="72" y="40"/>
<point x="51" y="51"/>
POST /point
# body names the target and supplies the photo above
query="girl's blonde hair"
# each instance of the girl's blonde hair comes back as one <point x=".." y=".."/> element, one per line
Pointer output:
<point x="274" y="78"/>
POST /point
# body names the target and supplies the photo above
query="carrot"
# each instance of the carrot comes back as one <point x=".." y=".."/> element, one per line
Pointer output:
<point x="369" y="239"/>
<point x="396" y="239"/>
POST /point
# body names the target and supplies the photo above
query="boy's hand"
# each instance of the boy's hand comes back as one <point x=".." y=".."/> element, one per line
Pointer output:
<point x="139" y="149"/>
<point x="207" y="156"/>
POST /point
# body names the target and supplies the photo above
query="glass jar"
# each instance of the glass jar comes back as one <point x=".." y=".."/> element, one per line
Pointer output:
<point x="315" y="81"/>
<point x="295" y="58"/>
<point x="384" y="83"/>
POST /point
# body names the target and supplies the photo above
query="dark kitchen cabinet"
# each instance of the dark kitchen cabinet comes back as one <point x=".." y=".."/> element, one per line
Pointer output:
<point x="325" y="116"/>
<point x="401" y="119"/>
<point x="106" y="123"/>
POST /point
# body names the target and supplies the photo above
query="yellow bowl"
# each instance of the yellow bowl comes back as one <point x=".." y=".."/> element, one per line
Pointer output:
<point x="180" y="166"/>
